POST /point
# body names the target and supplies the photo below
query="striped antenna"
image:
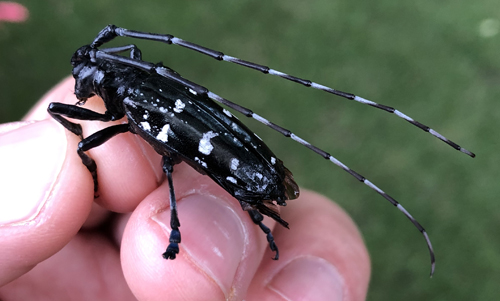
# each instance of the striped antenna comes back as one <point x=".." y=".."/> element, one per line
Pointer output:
<point x="111" y="31"/>
<point x="327" y="156"/>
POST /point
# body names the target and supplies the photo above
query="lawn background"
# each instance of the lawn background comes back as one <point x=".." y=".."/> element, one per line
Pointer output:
<point x="429" y="59"/>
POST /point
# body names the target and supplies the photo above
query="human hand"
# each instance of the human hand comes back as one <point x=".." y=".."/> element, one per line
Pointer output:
<point x="56" y="243"/>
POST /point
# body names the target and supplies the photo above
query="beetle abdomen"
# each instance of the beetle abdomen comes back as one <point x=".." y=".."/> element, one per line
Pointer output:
<point x="174" y="119"/>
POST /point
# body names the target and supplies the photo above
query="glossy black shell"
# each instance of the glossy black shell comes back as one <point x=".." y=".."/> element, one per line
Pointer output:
<point x="188" y="126"/>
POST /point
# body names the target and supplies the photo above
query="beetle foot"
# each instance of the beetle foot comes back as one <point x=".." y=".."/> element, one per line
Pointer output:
<point x="273" y="246"/>
<point x="173" y="247"/>
<point x="257" y="218"/>
<point x="172" y="251"/>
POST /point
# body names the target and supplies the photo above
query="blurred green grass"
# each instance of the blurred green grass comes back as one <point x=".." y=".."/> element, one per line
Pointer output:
<point x="426" y="58"/>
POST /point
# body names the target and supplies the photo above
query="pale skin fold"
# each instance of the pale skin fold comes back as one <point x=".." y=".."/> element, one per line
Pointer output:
<point x="69" y="246"/>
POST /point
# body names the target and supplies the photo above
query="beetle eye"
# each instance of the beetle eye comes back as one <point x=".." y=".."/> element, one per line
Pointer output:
<point x="80" y="55"/>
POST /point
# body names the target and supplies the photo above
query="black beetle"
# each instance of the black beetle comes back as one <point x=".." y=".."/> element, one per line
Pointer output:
<point x="182" y="122"/>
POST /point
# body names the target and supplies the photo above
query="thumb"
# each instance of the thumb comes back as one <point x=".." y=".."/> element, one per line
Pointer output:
<point x="41" y="204"/>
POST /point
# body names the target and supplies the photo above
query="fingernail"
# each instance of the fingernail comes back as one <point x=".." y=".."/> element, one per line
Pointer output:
<point x="31" y="157"/>
<point x="212" y="234"/>
<point x="308" y="278"/>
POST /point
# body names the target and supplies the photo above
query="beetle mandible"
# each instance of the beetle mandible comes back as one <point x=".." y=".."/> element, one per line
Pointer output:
<point x="182" y="121"/>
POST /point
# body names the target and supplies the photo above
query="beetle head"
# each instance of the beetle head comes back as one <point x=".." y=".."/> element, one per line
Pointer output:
<point x="84" y="70"/>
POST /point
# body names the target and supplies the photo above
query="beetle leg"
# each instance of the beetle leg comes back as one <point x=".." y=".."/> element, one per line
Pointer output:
<point x="95" y="140"/>
<point x="175" y="234"/>
<point x="58" y="110"/>
<point x="257" y="218"/>
<point x="135" y="53"/>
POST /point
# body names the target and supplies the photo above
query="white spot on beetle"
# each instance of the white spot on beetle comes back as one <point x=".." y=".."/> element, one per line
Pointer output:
<point x="160" y="90"/>
<point x="231" y="179"/>
<point x="146" y="115"/>
<point x="258" y="175"/>
<point x="227" y="113"/>
<point x="234" y="163"/>
<point x="200" y="162"/>
<point x="163" y="110"/>
<point x="205" y="146"/>
<point x="163" y="135"/>
<point x="120" y="90"/>
<point x="193" y="91"/>
<point x="145" y="125"/>
<point x="273" y="160"/>
<point x="179" y="106"/>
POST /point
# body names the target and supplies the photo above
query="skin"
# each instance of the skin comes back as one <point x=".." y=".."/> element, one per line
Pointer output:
<point x="12" y="12"/>
<point x="65" y="245"/>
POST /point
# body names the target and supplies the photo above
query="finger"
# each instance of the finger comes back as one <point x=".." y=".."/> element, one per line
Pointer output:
<point x="46" y="194"/>
<point x="128" y="169"/>
<point x="62" y="92"/>
<point x="220" y="245"/>
<point x="96" y="217"/>
<point x="88" y="268"/>
<point x="323" y="256"/>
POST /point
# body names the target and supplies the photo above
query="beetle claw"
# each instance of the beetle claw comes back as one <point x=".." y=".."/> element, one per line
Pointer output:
<point x="172" y="251"/>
